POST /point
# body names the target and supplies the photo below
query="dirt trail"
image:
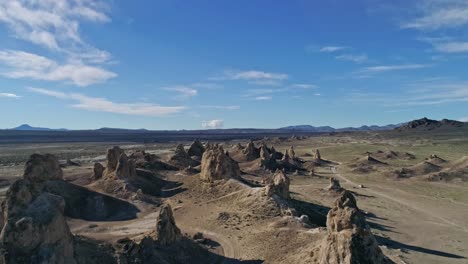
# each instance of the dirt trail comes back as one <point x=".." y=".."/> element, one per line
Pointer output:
<point x="399" y="201"/>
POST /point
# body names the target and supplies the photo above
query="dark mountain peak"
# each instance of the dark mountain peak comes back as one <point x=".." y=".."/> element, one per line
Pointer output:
<point x="429" y="124"/>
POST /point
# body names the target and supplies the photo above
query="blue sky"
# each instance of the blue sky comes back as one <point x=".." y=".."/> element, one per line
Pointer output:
<point x="176" y="64"/>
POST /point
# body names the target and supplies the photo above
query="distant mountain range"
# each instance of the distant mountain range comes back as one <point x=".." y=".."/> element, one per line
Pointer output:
<point x="419" y="124"/>
<point x="26" y="127"/>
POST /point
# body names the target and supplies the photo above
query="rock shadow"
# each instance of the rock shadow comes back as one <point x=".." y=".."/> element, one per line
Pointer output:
<point x="81" y="203"/>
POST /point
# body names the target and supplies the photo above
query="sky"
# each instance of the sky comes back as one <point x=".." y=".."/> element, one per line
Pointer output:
<point x="164" y="65"/>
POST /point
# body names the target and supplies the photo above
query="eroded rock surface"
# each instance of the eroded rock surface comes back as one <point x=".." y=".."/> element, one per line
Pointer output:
<point x="167" y="231"/>
<point x="34" y="228"/>
<point x="278" y="185"/>
<point x="349" y="239"/>
<point x="196" y="149"/>
<point x="216" y="165"/>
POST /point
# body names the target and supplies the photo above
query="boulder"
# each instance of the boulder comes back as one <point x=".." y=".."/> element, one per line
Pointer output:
<point x="216" y="165"/>
<point x="279" y="185"/>
<point x="349" y="239"/>
<point x="167" y="232"/>
<point x="98" y="171"/>
<point x="196" y="149"/>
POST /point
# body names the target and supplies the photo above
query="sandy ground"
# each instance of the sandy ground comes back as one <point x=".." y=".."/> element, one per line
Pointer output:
<point x="414" y="221"/>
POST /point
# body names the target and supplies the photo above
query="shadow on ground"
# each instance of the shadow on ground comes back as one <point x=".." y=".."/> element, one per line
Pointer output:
<point x="398" y="245"/>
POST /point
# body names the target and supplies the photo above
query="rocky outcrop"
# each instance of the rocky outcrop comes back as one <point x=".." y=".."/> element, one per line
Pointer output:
<point x="167" y="232"/>
<point x="317" y="155"/>
<point x="286" y="156"/>
<point x="112" y="157"/>
<point x="349" y="239"/>
<point x="216" y="165"/>
<point x="251" y="152"/>
<point x="334" y="185"/>
<point x="264" y="152"/>
<point x="40" y="168"/>
<point x="98" y="171"/>
<point x="275" y="154"/>
<point x="292" y="153"/>
<point x="279" y="185"/>
<point x="196" y="149"/>
<point x="181" y="158"/>
<point x="125" y="168"/>
<point x="35" y="230"/>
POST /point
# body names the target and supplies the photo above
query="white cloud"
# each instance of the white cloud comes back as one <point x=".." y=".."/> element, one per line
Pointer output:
<point x="216" y="123"/>
<point x="463" y="119"/>
<point x="438" y="14"/>
<point x="184" y="92"/>
<point x="452" y="47"/>
<point x="332" y="48"/>
<point x="9" y="95"/>
<point x="221" y="107"/>
<point x="387" y="68"/>
<point x="53" y="24"/>
<point x="104" y="105"/>
<point x="257" y="77"/>
<point x="263" y="98"/>
<point x="354" y="58"/>
<point x="28" y="65"/>
<point x="302" y="86"/>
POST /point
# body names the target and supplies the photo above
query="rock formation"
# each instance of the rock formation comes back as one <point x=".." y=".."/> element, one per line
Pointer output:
<point x="98" y="171"/>
<point x="251" y="152"/>
<point x="112" y="157"/>
<point x="286" y="156"/>
<point x="35" y="230"/>
<point x="181" y="158"/>
<point x="279" y="185"/>
<point x="292" y="153"/>
<point x="216" y="165"/>
<point x="125" y="168"/>
<point x="40" y="168"/>
<point x="167" y="232"/>
<point x="196" y="149"/>
<point x="349" y="239"/>
<point x="275" y="154"/>
<point x="317" y="155"/>
<point x="264" y="152"/>
<point x="334" y="185"/>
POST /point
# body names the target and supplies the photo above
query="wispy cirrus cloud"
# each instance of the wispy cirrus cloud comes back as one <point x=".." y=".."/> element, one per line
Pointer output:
<point x="302" y="86"/>
<point x="54" y="25"/>
<point x="388" y="68"/>
<point x="332" y="48"/>
<point x="438" y="14"/>
<point x="183" y="92"/>
<point x="28" y="65"/>
<point x="452" y="47"/>
<point x="9" y="95"/>
<point x="221" y="107"/>
<point x="98" y="104"/>
<point x="263" y="98"/>
<point x="353" y="57"/>
<point x="254" y="76"/>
